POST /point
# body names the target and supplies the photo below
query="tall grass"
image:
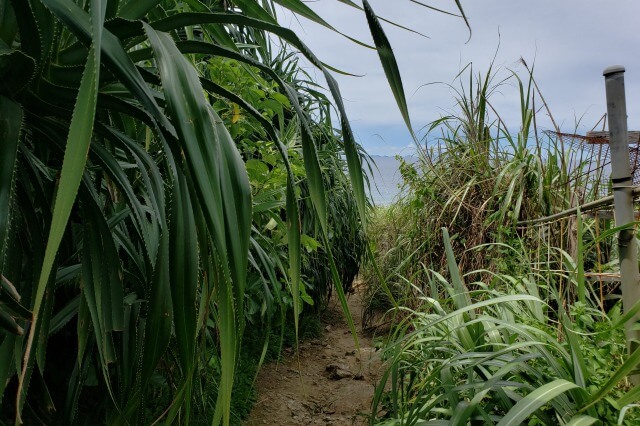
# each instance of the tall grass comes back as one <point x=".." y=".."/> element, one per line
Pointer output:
<point x="501" y="354"/>
<point x="495" y="322"/>
<point x="477" y="177"/>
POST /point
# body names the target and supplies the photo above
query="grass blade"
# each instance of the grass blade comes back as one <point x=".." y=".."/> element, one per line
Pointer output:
<point x="389" y="64"/>
<point x="222" y="186"/>
<point x="630" y="397"/>
<point x="298" y="7"/>
<point x="75" y="157"/>
<point x="10" y="126"/>
<point x="295" y="255"/>
<point x="461" y="296"/>
<point x="536" y="399"/>
<point x="184" y="282"/>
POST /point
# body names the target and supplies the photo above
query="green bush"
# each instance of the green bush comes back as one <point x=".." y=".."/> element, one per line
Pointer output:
<point x="494" y="357"/>
<point x="164" y="174"/>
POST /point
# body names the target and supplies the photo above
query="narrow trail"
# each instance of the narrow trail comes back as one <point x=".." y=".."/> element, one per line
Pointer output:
<point x="333" y="384"/>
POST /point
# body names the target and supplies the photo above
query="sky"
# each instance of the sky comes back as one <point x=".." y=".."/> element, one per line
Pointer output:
<point x="569" y="42"/>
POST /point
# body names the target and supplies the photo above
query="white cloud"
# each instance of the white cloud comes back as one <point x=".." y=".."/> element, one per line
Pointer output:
<point x="571" y="41"/>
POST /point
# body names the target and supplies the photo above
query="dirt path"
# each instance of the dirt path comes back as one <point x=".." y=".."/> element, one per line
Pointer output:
<point x="332" y="384"/>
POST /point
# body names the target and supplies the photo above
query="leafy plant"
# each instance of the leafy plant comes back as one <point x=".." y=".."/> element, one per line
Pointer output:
<point x="151" y="202"/>
<point x="477" y="177"/>
<point x="495" y="357"/>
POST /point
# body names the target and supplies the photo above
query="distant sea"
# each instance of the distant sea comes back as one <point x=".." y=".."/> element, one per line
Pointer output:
<point x="386" y="180"/>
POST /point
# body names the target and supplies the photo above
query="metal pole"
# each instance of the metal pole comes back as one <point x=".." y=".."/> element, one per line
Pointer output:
<point x="622" y="196"/>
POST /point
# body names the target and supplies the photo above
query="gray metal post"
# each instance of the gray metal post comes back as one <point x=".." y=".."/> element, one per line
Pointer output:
<point x="622" y="195"/>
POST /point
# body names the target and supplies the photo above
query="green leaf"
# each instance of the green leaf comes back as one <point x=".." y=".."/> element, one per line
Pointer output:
<point x="314" y="174"/>
<point x="223" y="189"/>
<point x="75" y="157"/>
<point x="114" y="56"/>
<point x="8" y="24"/>
<point x="536" y="399"/>
<point x="11" y="119"/>
<point x="354" y="162"/>
<point x="28" y="29"/>
<point x="183" y="254"/>
<point x="353" y="159"/>
<point x="16" y="70"/>
<point x="621" y="372"/>
<point x="580" y="279"/>
<point x="460" y="296"/>
<point x="253" y="9"/>
<point x="389" y="64"/>
<point x="298" y="7"/>
<point x="101" y="282"/>
<point x="7" y="322"/>
<point x="7" y="362"/>
<point x="136" y="9"/>
<point x="464" y="16"/>
<point x="295" y="255"/>
<point x="395" y="24"/>
<point x="629" y="398"/>
<point x="582" y="421"/>
<point x="10" y="301"/>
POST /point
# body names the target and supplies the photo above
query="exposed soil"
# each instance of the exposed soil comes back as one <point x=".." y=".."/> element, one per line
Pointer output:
<point x="330" y="383"/>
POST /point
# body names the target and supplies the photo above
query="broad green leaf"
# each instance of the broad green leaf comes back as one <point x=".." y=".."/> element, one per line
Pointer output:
<point x="64" y="315"/>
<point x="253" y="9"/>
<point x="111" y="167"/>
<point x="223" y="189"/>
<point x="353" y="160"/>
<point x="160" y="309"/>
<point x="27" y="26"/>
<point x="314" y="173"/>
<point x="7" y="363"/>
<point x="8" y="24"/>
<point x="102" y="286"/>
<point x="184" y="270"/>
<point x="183" y="256"/>
<point x="534" y="400"/>
<point x="582" y="421"/>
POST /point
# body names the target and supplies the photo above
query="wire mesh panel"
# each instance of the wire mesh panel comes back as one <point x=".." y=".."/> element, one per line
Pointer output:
<point x="559" y="245"/>
<point x="591" y="154"/>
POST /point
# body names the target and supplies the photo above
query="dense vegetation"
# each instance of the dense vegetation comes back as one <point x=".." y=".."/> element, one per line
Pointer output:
<point x="174" y="195"/>
<point x="168" y="176"/>
<point x="494" y="320"/>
